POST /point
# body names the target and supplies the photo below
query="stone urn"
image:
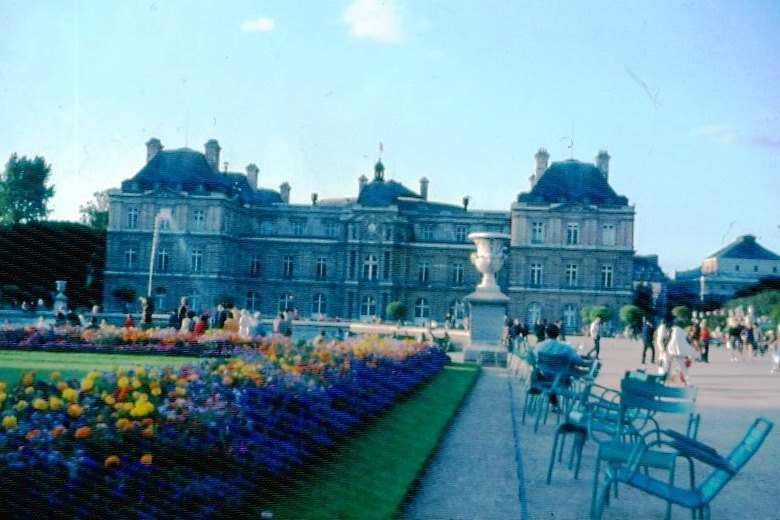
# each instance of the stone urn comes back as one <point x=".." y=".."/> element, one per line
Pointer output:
<point x="489" y="258"/>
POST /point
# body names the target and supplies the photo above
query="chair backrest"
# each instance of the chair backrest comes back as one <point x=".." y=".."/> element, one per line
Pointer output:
<point x="739" y="456"/>
<point x="641" y="400"/>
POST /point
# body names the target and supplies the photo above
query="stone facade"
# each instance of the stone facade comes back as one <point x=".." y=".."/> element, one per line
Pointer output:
<point x="350" y="257"/>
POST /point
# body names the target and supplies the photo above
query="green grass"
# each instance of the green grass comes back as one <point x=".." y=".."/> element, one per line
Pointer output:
<point x="76" y="364"/>
<point x="370" y="475"/>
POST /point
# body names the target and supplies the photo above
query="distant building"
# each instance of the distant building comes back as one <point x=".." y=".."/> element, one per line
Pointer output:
<point x="742" y="263"/>
<point x="572" y="242"/>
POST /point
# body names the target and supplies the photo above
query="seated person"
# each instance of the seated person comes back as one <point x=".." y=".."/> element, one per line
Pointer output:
<point x="552" y="346"/>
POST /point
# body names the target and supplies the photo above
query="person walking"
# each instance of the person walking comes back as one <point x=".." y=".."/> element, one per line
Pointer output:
<point x="595" y="333"/>
<point x="679" y="355"/>
<point x="704" y="338"/>
<point x="647" y="340"/>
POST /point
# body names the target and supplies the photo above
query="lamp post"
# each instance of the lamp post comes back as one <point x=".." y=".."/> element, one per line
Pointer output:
<point x="164" y="213"/>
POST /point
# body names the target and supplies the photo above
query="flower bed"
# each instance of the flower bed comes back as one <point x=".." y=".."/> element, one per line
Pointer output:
<point x="194" y="440"/>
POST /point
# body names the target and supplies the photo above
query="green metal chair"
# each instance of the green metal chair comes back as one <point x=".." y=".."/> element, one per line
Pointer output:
<point x="697" y="499"/>
<point x="641" y="401"/>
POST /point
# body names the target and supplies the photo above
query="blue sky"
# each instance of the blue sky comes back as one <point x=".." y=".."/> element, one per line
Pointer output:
<point x="685" y="96"/>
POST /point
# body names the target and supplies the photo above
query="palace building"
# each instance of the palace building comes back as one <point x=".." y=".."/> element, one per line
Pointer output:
<point x="212" y="235"/>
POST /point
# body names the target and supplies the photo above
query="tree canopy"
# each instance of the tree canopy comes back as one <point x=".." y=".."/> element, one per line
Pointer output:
<point x="95" y="212"/>
<point x="23" y="192"/>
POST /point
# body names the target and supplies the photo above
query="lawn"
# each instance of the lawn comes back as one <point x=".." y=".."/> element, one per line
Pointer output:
<point x="76" y="364"/>
<point x="372" y="474"/>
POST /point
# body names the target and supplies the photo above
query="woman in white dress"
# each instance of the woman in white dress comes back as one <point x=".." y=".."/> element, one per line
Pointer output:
<point x="679" y="354"/>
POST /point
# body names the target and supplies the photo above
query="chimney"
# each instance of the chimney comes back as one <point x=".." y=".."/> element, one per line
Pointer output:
<point x="362" y="181"/>
<point x="314" y="199"/>
<point x="424" y="188"/>
<point x="602" y="163"/>
<point x="153" y="147"/>
<point x="251" y="175"/>
<point x="542" y="158"/>
<point x="212" y="153"/>
<point x="284" y="191"/>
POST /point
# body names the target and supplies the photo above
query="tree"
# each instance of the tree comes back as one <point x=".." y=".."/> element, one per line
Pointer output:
<point x="23" y="191"/>
<point x="632" y="315"/>
<point x="95" y="212"/>
<point x="124" y="295"/>
<point x="682" y="315"/>
<point x="395" y="311"/>
<point x="643" y="298"/>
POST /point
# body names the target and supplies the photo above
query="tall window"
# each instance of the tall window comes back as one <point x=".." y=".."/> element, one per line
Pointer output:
<point x="570" y="317"/>
<point x="252" y="301"/>
<point x="537" y="232"/>
<point x="572" y="234"/>
<point x="266" y="227"/>
<point x="254" y="266"/>
<point x="423" y="272"/>
<point x="536" y="273"/>
<point x="608" y="234"/>
<point x="331" y="229"/>
<point x="368" y="306"/>
<point x="318" y="305"/>
<point x="163" y="260"/>
<point x="194" y="299"/>
<point x="160" y="298"/>
<point x="457" y="273"/>
<point x="606" y="276"/>
<point x="196" y="261"/>
<point x="131" y="258"/>
<point x="533" y="313"/>
<point x="460" y="233"/>
<point x="298" y="227"/>
<point x="422" y="309"/>
<point x="352" y="265"/>
<point x="370" y="267"/>
<point x="288" y="266"/>
<point x="386" y="265"/>
<point x="132" y="218"/>
<point x="199" y="220"/>
<point x="285" y="301"/>
<point x="321" y="267"/>
<point x="427" y="232"/>
<point x="165" y="224"/>
<point x="571" y="275"/>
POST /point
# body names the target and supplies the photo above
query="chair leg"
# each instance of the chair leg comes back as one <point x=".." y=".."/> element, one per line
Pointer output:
<point x="556" y="450"/>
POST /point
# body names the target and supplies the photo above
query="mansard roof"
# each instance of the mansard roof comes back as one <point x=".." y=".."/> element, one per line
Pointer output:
<point x="187" y="170"/>
<point x="573" y="181"/>
<point x="380" y="192"/>
<point x="745" y="247"/>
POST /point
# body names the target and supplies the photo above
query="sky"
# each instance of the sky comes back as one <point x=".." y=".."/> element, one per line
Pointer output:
<point x="684" y="95"/>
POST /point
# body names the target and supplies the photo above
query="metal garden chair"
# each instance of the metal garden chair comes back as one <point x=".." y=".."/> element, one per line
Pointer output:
<point x="697" y="499"/>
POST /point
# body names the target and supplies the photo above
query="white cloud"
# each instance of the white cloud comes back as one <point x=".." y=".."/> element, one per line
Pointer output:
<point x="379" y="19"/>
<point x="262" y="24"/>
<point x="721" y="134"/>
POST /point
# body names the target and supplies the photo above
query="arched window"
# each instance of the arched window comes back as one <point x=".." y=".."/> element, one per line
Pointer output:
<point x="368" y="307"/>
<point x="422" y="309"/>
<point x="319" y="305"/>
<point x="252" y="301"/>
<point x="533" y="313"/>
<point x="285" y="301"/>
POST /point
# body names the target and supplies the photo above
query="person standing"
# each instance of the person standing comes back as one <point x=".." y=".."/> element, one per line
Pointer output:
<point x="595" y="333"/>
<point x="679" y="355"/>
<point x="183" y="310"/>
<point x="647" y="340"/>
<point x="704" y="340"/>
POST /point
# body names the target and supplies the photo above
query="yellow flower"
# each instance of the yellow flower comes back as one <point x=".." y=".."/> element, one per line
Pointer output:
<point x="87" y="384"/>
<point x="2" y="396"/>
<point x="109" y="399"/>
<point x="70" y="394"/>
<point x="155" y="389"/>
<point x="62" y="385"/>
<point x="55" y="376"/>
<point x="127" y="406"/>
<point x="21" y="405"/>
<point x="29" y="390"/>
<point x="9" y="422"/>
<point x="74" y="410"/>
<point x="28" y="379"/>
<point x="111" y="460"/>
<point x="93" y="374"/>
<point x="137" y="383"/>
<point x="139" y="371"/>
<point x="40" y="404"/>
<point x="146" y="460"/>
<point x="122" y="382"/>
<point x="124" y="424"/>
<point x="54" y="402"/>
<point x="181" y="391"/>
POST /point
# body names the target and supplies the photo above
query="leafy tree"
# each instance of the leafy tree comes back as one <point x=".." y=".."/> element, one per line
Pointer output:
<point x="395" y="311"/>
<point x="632" y="315"/>
<point x="23" y="191"/>
<point x="95" y="212"/>
<point x="643" y="298"/>
<point x="603" y="312"/>
<point x="682" y="315"/>
<point x="124" y="295"/>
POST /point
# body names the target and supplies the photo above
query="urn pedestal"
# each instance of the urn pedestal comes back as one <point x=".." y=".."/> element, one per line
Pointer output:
<point x="487" y="304"/>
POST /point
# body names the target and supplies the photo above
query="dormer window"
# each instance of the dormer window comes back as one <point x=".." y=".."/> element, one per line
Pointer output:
<point x="736" y="267"/>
